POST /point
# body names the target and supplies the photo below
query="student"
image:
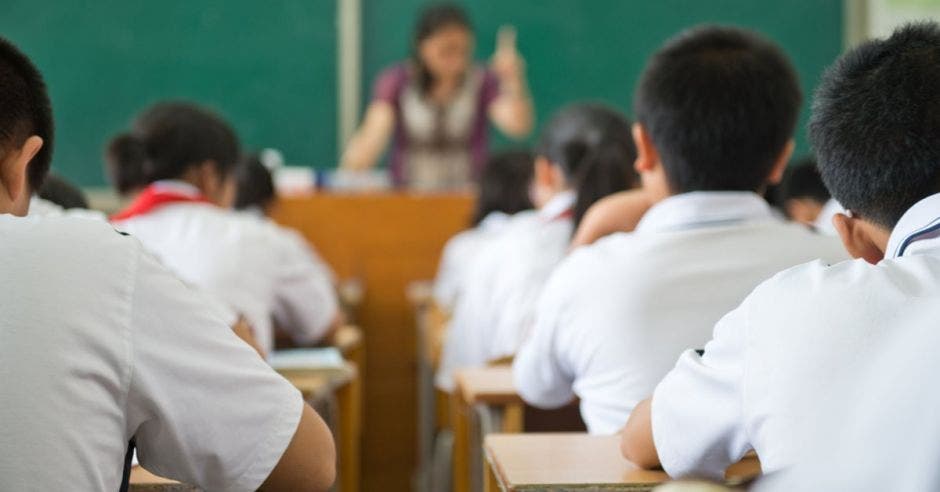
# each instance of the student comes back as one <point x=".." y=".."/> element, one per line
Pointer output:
<point x="775" y="363"/>
<point x="254" y="197"/>
<point x="187" y="155"/>
<point x="716" y="108"/>
<point x="101" y="345"/>
<point x="254" y="186"/>
<point x="504" y="192"/>
<point x="802" y="194"/>
<point x="59" y="197"/>
<point x="585" y="153"/>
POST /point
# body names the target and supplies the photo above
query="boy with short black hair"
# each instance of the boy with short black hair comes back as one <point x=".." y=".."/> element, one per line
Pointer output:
<point x="101" y="345"/>
<point x="716" y="108"/>
<point x="774" y="363"/>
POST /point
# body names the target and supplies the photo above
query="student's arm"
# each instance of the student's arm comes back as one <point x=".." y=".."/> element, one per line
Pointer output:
<point x="511" y="110"/>
<point x="694" y="424"/>
<point x="620" y="212"/>
<point x="540" y="373"/>
<point x="636" y="441"/>
<point x="305" y="301"/>
<point x="204" y="407"/>
<point x="298" y="468"/>
<point x="243" y="331"/>
<point x="369" y="141"/>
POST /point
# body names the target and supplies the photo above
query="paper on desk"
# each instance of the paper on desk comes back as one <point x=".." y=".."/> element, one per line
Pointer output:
<point x="307" y="358"/>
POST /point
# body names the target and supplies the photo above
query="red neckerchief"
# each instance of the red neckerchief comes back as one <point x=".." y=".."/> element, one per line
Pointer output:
<point x="153" y="197"/>
<point x="567" y="214"/>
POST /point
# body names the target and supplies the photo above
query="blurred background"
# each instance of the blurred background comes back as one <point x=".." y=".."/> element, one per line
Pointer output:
<point x="295" y="75"/>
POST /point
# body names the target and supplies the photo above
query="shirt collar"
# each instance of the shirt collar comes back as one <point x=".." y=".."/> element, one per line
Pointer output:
<point x="705" y="209"/>
<point x="918" y="231"/>
<point x="494" y="220"/>
<point x="560" y="204"/>
<point x="176" y="186"/>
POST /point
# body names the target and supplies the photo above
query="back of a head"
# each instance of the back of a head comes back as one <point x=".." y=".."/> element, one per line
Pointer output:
<point x="254" y="184"/>
<point x="168" y="139"/>
<point x="802" y="180"/>
<point x="504" y="184"/>
<point x="62" y="193"/>
<point x="592" y="145"/>
<point x="25" y="110"/>
<point x="876" y="124"/>
<point x="720" y="105"/>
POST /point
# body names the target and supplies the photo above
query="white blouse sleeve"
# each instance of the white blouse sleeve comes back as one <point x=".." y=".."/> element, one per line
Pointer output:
<point x="697" y="418"/>
<point x="203" y="406"/>
<point x="305" y="300"/>
<point x="539" y="372"/>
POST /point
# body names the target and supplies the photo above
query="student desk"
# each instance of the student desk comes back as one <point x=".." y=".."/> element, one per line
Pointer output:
<point x="351" y="343"/>
<point x="574" y="462"/>
<point x="316" y="384"/>
<point x="433" y="404"/>
<point x="384" y="241"/>
<point x="485" y="395"/>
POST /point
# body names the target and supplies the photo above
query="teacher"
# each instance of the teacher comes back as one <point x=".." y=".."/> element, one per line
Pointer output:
<point x="436" y="106"/>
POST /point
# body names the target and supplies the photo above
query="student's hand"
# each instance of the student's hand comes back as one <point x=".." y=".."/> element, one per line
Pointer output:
<point x="243" y="330"/>
<point x="507" y="63"/>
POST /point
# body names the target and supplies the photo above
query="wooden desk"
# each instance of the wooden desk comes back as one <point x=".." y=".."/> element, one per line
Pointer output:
<point x="487" y="393"/>
<point x="345" y="384"/>
<point x="573" y="462"/>
<point x="385" y="241"/>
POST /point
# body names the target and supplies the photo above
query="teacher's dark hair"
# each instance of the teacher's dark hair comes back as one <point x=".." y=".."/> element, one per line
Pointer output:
<point x="168" y="139"/>
<point x="594" y="147"/>
<point x="432" y="19"/>
<point x="504" y="184"/>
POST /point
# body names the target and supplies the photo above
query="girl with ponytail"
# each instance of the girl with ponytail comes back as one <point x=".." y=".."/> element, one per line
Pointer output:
<point x="585" y="153"/>
<point x="181" y="157"/>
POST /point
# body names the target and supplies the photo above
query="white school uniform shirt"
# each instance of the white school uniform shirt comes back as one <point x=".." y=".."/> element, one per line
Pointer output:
<point x="616" y="314"/>
<point x="40" y="207"/>
<point x="877" y="426"/>
<point x="248" y="264"/>
<point x="505" y="279"/>
<point x="796" y="337"/>
<point x="458" y="256"/>
<point x="98" y="344"/>
<point x="823" y="222"/>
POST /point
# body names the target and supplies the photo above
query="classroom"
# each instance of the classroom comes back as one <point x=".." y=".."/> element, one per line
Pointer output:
<point x="480" y="245"/>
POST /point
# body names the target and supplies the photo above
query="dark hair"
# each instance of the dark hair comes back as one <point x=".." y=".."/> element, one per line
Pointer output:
<point x="166" y="140"/>
<point x="593" y="146"/>
<point x="64" y="194"/>
<point x="432" y="19"/>
<point x="25" y="110"/>
<point x="876" y="124"/>
<point x="802" y="180"/>
<point x="720" y="104"/>
<point x="504" y="184"/>
<point x="255" y="186"/>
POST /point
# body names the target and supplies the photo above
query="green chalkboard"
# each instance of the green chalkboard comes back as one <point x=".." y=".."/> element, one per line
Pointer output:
<point x="269" y="67"/>
<point x="595" y="49"/>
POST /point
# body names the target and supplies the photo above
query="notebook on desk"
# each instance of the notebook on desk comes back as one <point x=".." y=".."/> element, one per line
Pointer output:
<point x="304" y="359"/>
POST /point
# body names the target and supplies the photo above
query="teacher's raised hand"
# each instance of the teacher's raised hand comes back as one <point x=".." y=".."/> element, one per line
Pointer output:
<point x="512" y="111"/>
